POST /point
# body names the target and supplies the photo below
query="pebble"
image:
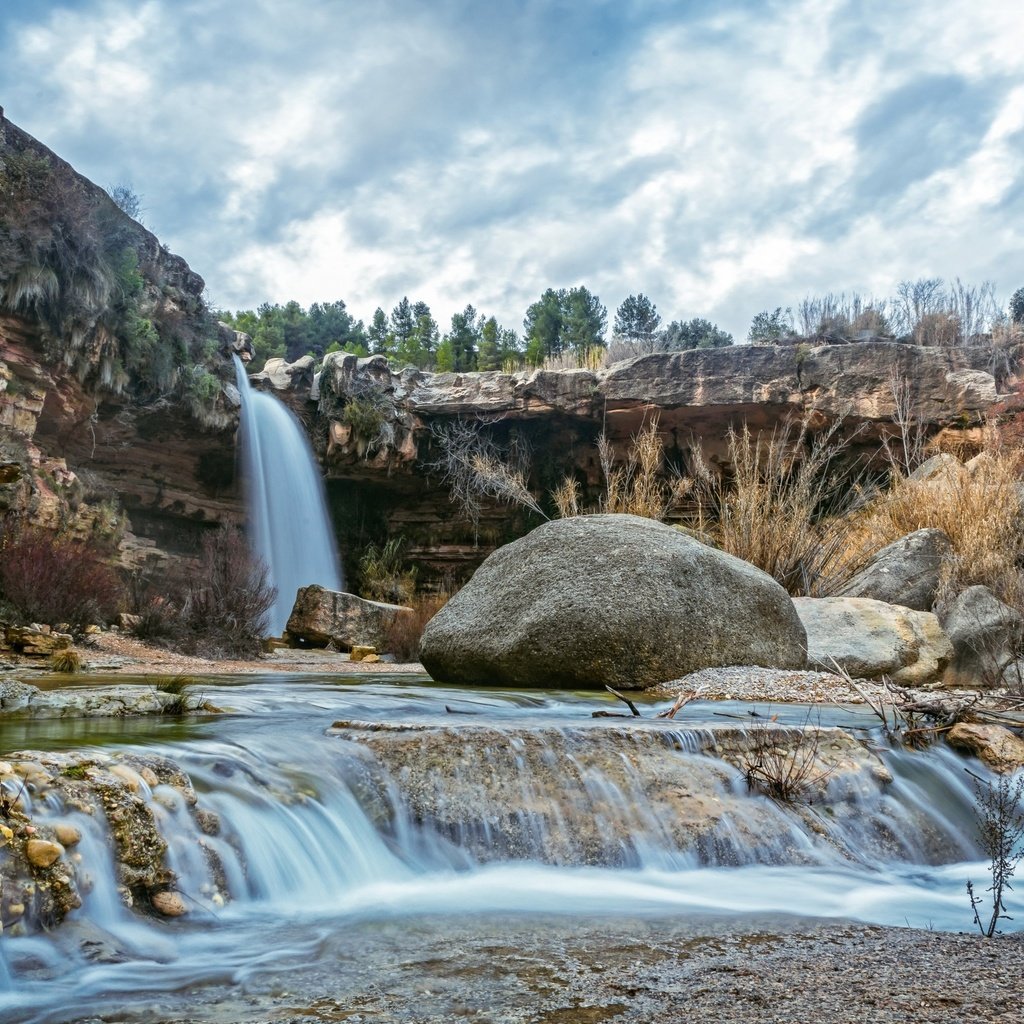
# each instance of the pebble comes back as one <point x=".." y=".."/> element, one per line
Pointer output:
<point x="67" y="835"/>
<point x="170" y="904"/>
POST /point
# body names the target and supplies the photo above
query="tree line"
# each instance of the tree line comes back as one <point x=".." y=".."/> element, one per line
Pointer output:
<point x="572" y="323"/>
<point x="566" y="321"/>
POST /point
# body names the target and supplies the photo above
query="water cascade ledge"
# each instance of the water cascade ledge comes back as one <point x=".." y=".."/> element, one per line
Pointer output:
<point x="297" y="817"/>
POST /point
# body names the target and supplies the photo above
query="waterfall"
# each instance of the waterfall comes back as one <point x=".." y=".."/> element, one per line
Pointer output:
<point x="289" y="528"/>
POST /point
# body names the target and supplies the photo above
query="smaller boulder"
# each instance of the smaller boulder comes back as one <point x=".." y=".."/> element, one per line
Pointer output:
<point x="41" y="853"/>
<point x="941" y="467"/>
<point x="40" y="641"/>
<point x="986" y="636"/>
<point x="321" y="617"/>
<point x="869" y="639"/>
<point x="906" y="572"/>
<point x="1000" y="749"/>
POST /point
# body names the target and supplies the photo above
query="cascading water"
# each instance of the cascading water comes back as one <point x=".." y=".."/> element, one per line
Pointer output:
<point x="514" y="804"/>
<point x="289" y="527"/>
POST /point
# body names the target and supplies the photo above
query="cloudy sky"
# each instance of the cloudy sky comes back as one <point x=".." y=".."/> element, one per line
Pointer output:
<point x="721" y="157"/>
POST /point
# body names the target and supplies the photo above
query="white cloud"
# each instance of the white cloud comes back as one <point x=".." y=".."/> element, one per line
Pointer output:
<point x="460" y="153"/>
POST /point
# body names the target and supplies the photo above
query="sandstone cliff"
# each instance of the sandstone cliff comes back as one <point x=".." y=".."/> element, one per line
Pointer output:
<point x="115" y="392"/>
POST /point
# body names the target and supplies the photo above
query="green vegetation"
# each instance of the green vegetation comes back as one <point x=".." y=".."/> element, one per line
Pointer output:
<point x="111" y="303"/>
<point x="383" y="575"/>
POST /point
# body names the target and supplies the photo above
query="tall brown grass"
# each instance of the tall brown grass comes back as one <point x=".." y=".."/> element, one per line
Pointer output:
<point x="783" y="507"/>
<point x="978" y="506"/>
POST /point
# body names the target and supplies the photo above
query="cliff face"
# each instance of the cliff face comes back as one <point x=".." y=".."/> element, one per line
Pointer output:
<point x="117" y="414"/>
<point x="376" y="431"/>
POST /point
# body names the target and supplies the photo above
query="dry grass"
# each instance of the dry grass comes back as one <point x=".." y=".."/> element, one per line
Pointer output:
<point x="977" y="506"/>
<point x="782" y="508"/>
<point x="594" y="359"/>
<point x="403" y="639"/>
<point x="640" y="487"/>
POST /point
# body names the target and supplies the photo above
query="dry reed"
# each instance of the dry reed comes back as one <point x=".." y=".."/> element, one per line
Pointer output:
<point x="783" y="507"/>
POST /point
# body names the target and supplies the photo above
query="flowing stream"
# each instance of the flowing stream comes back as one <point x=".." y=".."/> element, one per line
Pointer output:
<point x="289" y="527"/>
<point x="429" y="803"/>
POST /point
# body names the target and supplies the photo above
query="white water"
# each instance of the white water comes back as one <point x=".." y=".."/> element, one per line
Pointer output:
<point x="289" y="527"/>
<point x="319" y="839"/>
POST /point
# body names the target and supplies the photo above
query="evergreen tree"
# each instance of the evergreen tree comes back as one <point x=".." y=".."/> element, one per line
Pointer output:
<point x="378" y="333"/>
<point x="489" y="353"/>
<point x="464" y="337"/>
<point x="403" y="325"/>
<point x="584" y="320"/>
<point x="542" y="325"/>
<point x="695" y="333"/>
<point x="637" y="319"/>
<point x="1017" y="306"/>
<point x="444" y="360"/>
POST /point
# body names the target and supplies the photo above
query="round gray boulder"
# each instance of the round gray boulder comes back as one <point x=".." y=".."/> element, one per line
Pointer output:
<point x="610" y="600"/>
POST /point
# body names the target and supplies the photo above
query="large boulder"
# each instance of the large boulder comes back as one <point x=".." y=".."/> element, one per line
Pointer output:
<point x="869" y="639"/>
<point x="986" y="636"/>
<point x="609" y="599"/>
<point x="321" y="617"/>
<point x="906" y="572"/>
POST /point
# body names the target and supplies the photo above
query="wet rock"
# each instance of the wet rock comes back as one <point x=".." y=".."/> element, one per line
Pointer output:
<point x="986" y="636"/>
<point x="322" y="617"/>
<point x="108" y="790"/>
<point x="67" y="835"/>
<point x="598" y="793"/>
<point x="906" y="572"/>
<point x="170" y="904"/>
<point x="41" y="853"/>
<point x="869" y="639"/>
<point x="609" y="599"/>
<point x="1000" y="749"/>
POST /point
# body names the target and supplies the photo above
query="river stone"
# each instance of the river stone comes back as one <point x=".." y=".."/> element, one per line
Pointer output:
<point x="41" y="853"/>
<point x="906" y="572"/>
<point x="869" y="639"/>
<point x="170" y="904"/>
<point x="609" y="600"/>
<point x="999" y="748"/>
<point x="986" y="636"/>
<point x="321" y="616"/>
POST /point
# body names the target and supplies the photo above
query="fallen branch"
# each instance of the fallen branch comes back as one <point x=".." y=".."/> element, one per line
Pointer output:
<point x="681" y="701"/>
<point x="625" y="700"/>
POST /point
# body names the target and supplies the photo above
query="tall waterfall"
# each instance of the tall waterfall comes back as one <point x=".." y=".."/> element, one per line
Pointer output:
<point x="289" y="528"/>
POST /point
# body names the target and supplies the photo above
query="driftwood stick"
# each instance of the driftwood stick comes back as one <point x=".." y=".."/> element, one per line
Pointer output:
<point x="681" y="701"/>
<point x="625" y="700"/>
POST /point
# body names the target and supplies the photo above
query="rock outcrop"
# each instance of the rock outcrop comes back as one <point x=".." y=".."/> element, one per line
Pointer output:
<point x="601" y="793"/>
<point x="986" y="636"/>
<point x="321" y="617"/>
<point x="906" y="572"/>
<point x="869" y="639"/>
<point x="609" y="600"/>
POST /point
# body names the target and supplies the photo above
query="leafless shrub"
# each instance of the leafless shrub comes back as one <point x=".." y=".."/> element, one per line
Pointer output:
<point x="784" y="764"/>
<point x="475" y="467"/>
<point x="909" y="448"/>
<point x="1001" y="830"/>
<point x="403" y="638"/>
<point x="217" y="609"/>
